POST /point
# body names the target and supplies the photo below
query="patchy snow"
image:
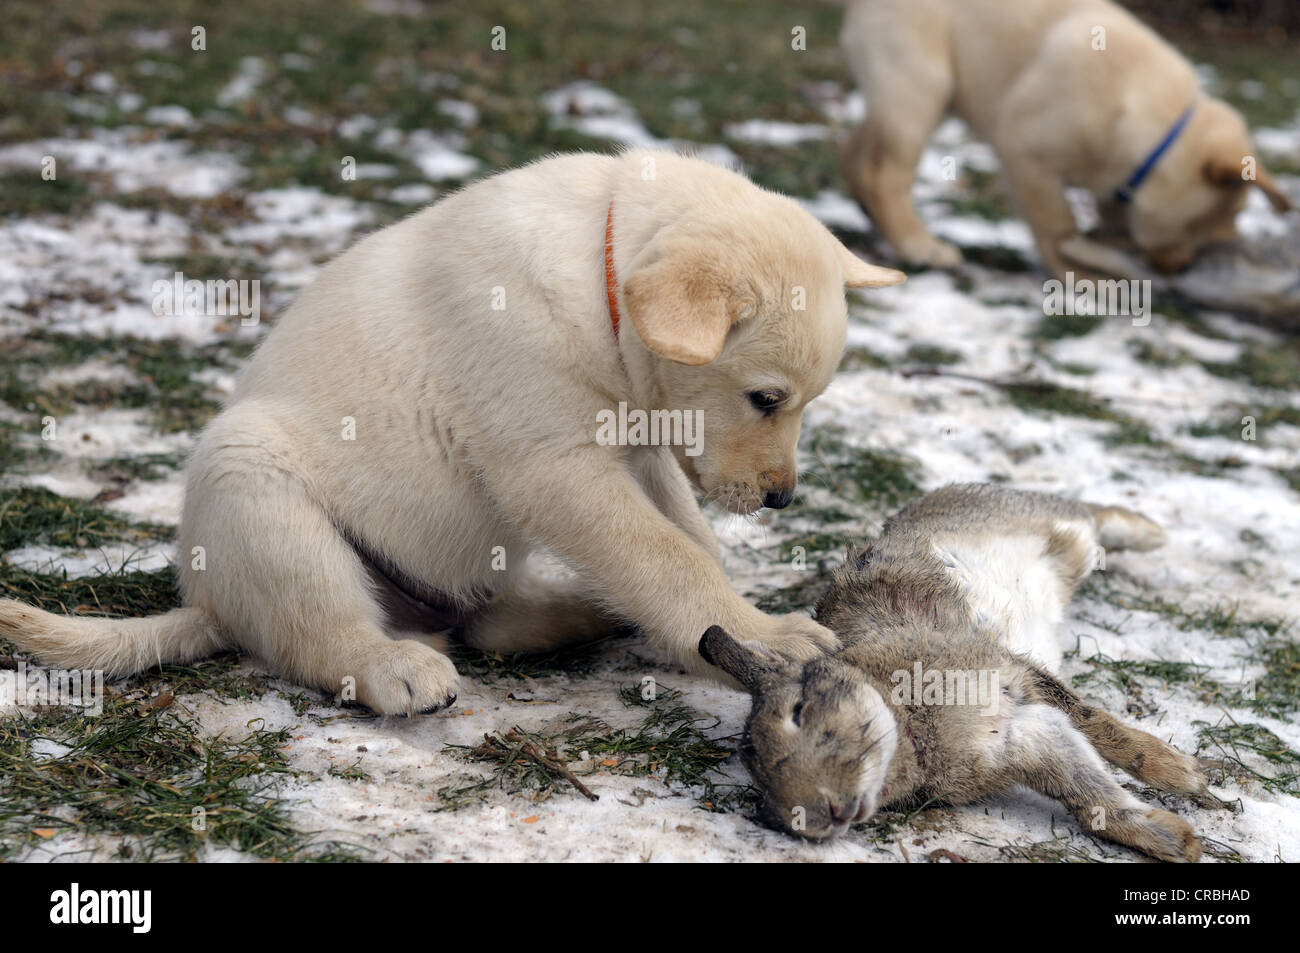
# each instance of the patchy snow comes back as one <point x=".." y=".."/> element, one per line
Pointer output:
<point x="595" y="111"/>
<point x="416" y="193"/>
<point x="106" y="559"/>
<point x="837" y="211"/>
<point x="464" y="113"/>
<point x="437" y="155"/>
<point x="248" y="77"/>
<point x="132" y="161"/>
<point x="769" y="132"/>
<point x="1234" y="534"/>
<point x="176" y="116"/>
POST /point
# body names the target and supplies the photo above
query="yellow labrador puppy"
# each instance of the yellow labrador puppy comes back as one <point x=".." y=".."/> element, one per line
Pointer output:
<point x="467" y="386"/>
<point x="1069" y="92"/>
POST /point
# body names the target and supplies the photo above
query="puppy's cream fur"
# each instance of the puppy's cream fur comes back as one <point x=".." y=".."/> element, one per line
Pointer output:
<point x="1026" y="76"/>
<point x="431" y="402"/>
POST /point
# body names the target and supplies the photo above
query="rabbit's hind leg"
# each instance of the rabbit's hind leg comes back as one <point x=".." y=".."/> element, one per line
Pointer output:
<point x="1048" y="754"/>
<point x="1122" y="528"/>
<point x="1144" y="756"/>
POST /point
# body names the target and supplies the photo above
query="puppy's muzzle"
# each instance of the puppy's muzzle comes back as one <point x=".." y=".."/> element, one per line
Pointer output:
<point x="778" y="499"/>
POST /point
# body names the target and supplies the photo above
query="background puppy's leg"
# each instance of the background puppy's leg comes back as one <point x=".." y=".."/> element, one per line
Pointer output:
<point x="1050" y="756"/>
<point x="1040" y="192"/>
<point x="288" y="587"/>
<point x="908" y="84"/>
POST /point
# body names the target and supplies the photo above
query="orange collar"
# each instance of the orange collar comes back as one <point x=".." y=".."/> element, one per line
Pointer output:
<point x="611" y="279"/>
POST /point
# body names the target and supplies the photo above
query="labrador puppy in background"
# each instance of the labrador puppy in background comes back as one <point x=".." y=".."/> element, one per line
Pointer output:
<point x="429" y="411"/>
<point x="1069" y="92"/>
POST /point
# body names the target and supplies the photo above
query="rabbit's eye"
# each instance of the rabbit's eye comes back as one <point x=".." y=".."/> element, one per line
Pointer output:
<point x="797" y="715"/>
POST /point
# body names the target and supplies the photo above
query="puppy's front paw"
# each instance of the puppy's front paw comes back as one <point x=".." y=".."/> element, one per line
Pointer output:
<point x="798" y="638"/>
<point x="405" y="678"/>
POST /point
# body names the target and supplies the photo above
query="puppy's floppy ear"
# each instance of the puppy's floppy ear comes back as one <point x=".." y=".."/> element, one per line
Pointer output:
<point x="683" y="305"/>
<point x="1276" y="197"/>
<point x="860" y="274"/>
<point x="1226" y="170"/>
<point x="746" y="662"/>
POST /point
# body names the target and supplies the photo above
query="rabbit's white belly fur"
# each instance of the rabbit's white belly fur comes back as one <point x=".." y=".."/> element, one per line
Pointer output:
<point x="1013" y="590"/>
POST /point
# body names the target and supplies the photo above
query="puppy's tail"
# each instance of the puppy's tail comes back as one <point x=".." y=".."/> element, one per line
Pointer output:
<point x="115" y="646"/>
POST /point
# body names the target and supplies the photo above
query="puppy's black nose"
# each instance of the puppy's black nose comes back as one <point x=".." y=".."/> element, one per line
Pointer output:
<point x="778" y="499"/>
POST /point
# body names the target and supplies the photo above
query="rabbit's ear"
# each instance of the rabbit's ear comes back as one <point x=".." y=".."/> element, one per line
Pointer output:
<point x="746" y="662"/>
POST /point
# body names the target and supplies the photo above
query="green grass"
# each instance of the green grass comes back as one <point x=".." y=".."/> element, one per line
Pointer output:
<point x="661" y="57"/>
<point x="880" y="479"/>
<point x="1044" y="397"/>
<point x="1230" y="744"/>
<point x="363" y="63"/>
<point x="1228" y="422"/>
<point x="23" y="194"/>
<point x="1131" y="676"/>
<point x="33" y="515"/>
<point x="860" y="358"/>
<point x="143" y="771"/>
<point x="933" y="354"/>
<point x="797" y="597"/>
<point x="126" y="469"/>
<point x="1056" y="327"/>
<point x="163" y="381"/>
<point x="490" y="667"/>
<point x="152" y="779"/>
<point x="1275" y="366"/>
<point x="671" y="745"/>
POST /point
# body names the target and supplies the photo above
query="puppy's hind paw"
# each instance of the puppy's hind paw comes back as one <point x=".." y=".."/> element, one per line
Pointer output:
<point x="407" y="678"/>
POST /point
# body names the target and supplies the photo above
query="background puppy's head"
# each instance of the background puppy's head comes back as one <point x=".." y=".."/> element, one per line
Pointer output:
<point x="741" y="303"/>
<point x="1194" y="194"/>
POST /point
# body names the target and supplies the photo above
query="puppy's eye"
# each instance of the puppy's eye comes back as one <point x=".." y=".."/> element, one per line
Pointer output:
<point x="766" y="400"/>
<point x="797" y="715"/>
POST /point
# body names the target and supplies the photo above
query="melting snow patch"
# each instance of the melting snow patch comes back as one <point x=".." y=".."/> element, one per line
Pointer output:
<point x="300" y="213"/>
<point x="250" y="74"/>
<point x="416" y="193"/>
<point x="106" y="560"/>
<point x="595" y="111"/>
<point x="769" y="133"/>
<point x="133" y="162"/>
<point x="836" y="211"/>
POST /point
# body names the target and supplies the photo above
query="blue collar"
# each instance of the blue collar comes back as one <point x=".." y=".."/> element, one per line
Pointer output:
<point x="1124" y="193"/>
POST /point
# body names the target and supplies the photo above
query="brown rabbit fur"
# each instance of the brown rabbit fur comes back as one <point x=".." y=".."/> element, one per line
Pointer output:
<point x="960" y="584"/>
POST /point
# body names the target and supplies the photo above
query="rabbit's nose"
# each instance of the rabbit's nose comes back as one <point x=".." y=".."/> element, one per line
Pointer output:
<point x="845" y="813"/>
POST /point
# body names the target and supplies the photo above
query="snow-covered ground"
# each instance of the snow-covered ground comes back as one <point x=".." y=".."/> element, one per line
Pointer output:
<point x="386" y="784"/>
